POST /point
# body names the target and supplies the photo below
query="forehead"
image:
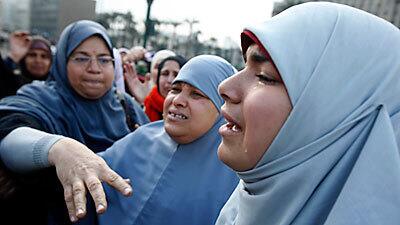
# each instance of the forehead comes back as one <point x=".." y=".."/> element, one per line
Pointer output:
<point x="92" y="45"/>
<point x="38" y="51"/>
<point x="183" y="84"/>
<point x="171" y="63"/>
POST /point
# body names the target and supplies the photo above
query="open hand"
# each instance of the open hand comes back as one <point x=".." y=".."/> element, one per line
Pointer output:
<point x="78" y="169"/>
<point x="20" y="42"/>
<point x="138" y="89"/>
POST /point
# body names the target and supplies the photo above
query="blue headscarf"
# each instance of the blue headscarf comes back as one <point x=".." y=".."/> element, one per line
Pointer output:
<point x="96" y="123"/>
<point x="173" y="183"/>
<point x="336" y="159"/>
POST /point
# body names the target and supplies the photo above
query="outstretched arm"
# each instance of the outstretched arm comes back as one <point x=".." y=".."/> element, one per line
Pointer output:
<point x="78" y="168"/>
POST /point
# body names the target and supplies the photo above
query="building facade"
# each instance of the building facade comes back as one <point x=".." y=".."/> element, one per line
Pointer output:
<point x="49" y="17"/>
<point x="14" y="15"/>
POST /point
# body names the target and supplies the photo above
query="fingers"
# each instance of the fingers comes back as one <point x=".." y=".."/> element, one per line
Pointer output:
<point x="97" y="192"/>
<point x="21" y="35"/>
<point x="114" y="180"/>
<point x="130" y="70"/>
<point x="79" y="197"/>
<point x="69" y="200"/>
<point x="147" y="76"/>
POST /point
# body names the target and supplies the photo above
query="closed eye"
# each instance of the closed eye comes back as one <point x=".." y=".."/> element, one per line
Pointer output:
<point x="175" y="90"/>
<point x="265" y="79"/>
<point x="198" y="95"/>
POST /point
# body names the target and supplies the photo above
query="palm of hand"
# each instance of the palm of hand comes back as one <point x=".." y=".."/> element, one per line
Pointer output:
<point x="19" y="45"/>
<point x="138" y="89"/>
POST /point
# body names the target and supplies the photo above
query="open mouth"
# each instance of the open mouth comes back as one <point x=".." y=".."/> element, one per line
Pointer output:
<point x="233" y="127"/>
<point x="177" y="116"/>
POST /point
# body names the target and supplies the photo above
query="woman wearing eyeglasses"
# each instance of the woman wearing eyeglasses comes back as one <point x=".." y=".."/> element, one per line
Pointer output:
<point x="77" y="104"/>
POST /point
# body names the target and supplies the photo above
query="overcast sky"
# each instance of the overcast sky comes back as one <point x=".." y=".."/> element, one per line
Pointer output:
<point x="217" y="18"/>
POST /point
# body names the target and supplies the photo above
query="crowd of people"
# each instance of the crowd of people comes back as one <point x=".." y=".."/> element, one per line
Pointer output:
<point x="307" y="133"/>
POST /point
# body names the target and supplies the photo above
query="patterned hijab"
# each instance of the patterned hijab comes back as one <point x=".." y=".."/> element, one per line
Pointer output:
<point x="336" y="158"/>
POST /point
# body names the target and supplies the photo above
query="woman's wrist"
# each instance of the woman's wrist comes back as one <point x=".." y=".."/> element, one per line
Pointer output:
<point x="56" y="150"/>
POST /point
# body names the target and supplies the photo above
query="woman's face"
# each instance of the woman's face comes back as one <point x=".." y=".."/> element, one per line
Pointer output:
<point x="90" y="68"/>
<point x="167" y="75"/>
<point x="188" y="113"/>
<point x="256" y="106"/>
<point x="38" y="63"/>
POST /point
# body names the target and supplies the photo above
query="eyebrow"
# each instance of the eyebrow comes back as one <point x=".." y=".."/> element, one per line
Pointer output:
<point x="257" y="56"/>
<point x="87" y="54"/>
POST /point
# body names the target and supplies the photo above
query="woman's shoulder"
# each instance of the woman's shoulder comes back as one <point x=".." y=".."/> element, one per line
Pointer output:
<point x="155" y="127"/>
<point x="32" y="97"/>
<point x="144" y="143"/>
<point x="148" y="134"/>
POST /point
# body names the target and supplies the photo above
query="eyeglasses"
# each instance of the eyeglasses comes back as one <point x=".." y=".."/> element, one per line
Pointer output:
<point x="102" y="61"/>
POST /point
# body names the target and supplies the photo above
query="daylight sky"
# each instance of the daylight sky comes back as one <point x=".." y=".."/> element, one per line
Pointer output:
<point x="222" y="19"/>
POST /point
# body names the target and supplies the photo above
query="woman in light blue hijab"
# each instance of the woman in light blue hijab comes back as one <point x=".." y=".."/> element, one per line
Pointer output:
<point x="177" y="180"/>
<point x="334" y="158"/>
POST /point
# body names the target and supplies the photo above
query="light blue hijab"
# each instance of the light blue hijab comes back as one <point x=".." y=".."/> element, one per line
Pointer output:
<point x="336" y="159"/>
<point x="173" y="183"/>
<point x="96" y="123"/>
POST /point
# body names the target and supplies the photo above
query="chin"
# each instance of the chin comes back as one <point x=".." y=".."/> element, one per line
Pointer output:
<point x="228" y="156"/>
<point x="221" y="152"/>
<point x="179" y="136"/>
<point x="93" y="96"/>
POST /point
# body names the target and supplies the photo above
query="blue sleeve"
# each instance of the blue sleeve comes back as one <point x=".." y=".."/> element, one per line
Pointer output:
<point x="26" y="149"/>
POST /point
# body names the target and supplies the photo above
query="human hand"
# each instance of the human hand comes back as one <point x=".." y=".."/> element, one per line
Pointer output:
<point x="138" y="52"/>
<point x="137" y="88"/>
<point x="20" y="42"/>
<point x="78" y="169"/>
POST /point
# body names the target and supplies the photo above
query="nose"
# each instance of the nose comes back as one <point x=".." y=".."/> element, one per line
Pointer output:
<point x="171" y="77"/>
<point x="180" y="100"/>
<point x="230" y="89"/>
<point x="94" y="66"/>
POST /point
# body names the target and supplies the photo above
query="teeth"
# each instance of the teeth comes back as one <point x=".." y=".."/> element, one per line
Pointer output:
<point x="235" y="128"/>
<point x="180" y="116"/>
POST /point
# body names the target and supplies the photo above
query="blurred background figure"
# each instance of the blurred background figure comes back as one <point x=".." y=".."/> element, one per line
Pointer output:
<point x="29" y="59"/>
<point x="118" y="71"/>
<point x="157" y="58"/>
